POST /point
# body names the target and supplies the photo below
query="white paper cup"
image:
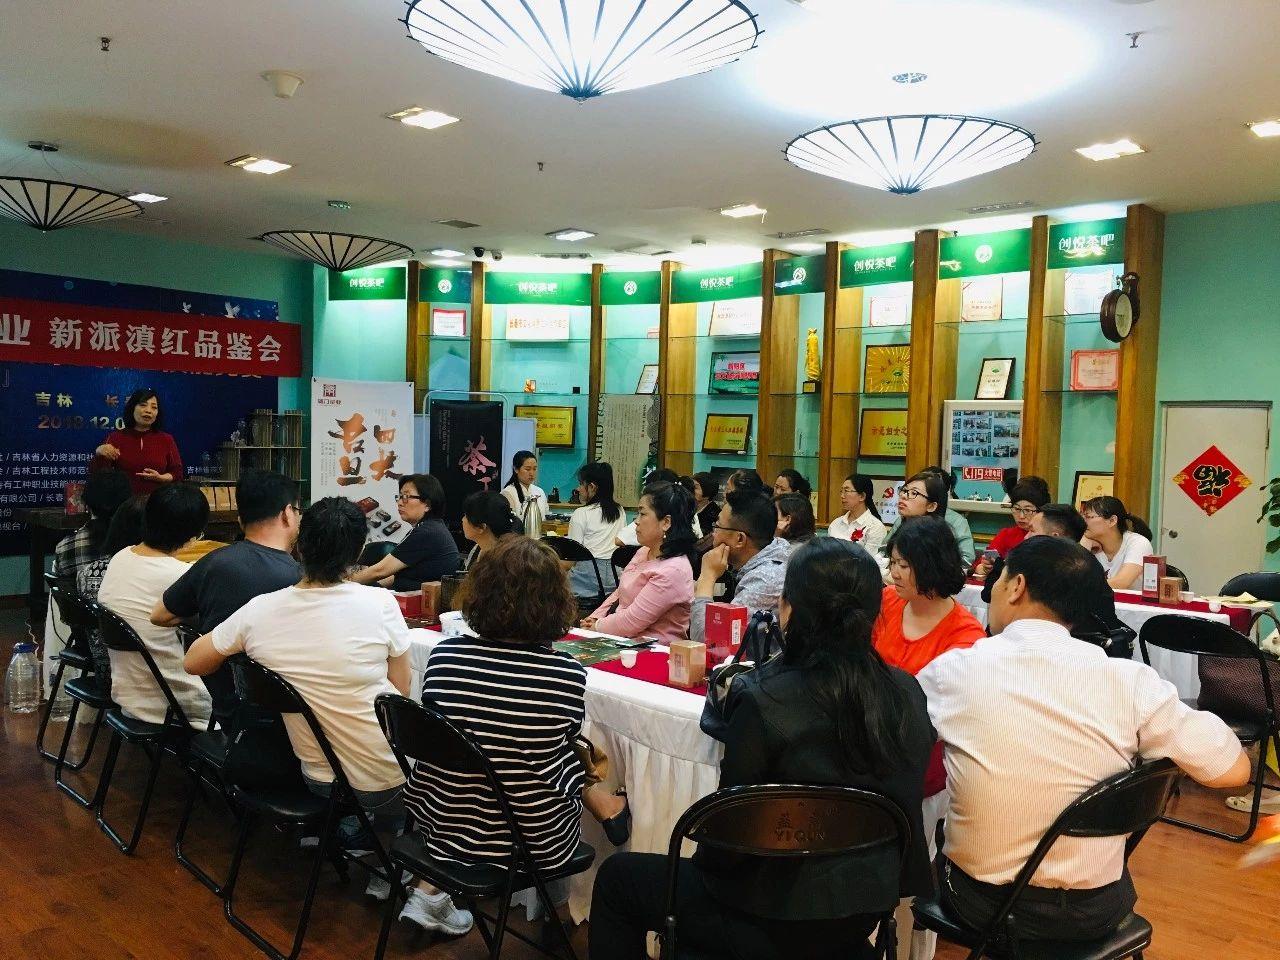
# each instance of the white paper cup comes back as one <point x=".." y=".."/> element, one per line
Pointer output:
<point x="1215" y="606"/>
<point x="1187" y="596"/>
<point x="628" y="658"/>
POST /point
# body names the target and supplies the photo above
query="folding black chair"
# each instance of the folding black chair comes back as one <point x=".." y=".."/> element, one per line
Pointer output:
<point x="155" y="739"/>
<point x="1264" y="586"/>
<point x="418" y="732"/>
<point x="269" y="691"/>
<point x="621" y="557"/>
<point x="1128" y="803"/>
<point x="839" y="821"/>
<point x="571" y="551"/>
<point x="75" y="653"/>
<point x="1205" y="639"/>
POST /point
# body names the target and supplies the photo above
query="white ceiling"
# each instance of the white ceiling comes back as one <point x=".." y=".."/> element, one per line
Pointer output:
<point x="180" y="93"/>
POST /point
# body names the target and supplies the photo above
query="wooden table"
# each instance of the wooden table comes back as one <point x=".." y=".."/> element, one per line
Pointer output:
<point x="48" y="525"/>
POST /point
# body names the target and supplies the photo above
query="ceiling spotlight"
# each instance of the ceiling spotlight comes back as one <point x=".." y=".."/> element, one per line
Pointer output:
<point x="422" y="117"/>
<point x="446" y="253"/>
<point x="1110" y="151"/>
<point x="585" y="49"/>
<point x="912" y="76"/>
<point x="283" y="83"/>
<point x="1266" y="128"/>
<point x="258" y="164"/>
<point x="146" y="198"/>
<point x="570" y="234"/>
<point x="740" y="210"/>
<point x="908" y="154"/>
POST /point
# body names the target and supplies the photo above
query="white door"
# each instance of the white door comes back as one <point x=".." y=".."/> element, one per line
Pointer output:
<point x="1213" y="483"/>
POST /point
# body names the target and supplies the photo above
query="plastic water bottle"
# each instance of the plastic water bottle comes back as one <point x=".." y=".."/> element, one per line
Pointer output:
<point x="60" y="710"/>
<point x="22" y="680"/>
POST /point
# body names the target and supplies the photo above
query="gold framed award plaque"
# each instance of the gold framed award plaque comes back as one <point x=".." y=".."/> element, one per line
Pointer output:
<point x="887" y="369"/>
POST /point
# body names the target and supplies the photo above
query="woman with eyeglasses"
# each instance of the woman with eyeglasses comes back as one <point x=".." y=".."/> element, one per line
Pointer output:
<point x="429" y="551"/>
<point x="1028" y="495"/>
<point x="860" y="521"/>
<point x="1118" y="539"/>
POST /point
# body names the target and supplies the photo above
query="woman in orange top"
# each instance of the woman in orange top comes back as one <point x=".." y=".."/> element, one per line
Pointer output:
<point x="919" y="620"/>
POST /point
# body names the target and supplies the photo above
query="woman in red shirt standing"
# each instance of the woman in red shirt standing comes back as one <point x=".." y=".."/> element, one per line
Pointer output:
<point x="142" y="451"/>
<point x="920" y="620"/>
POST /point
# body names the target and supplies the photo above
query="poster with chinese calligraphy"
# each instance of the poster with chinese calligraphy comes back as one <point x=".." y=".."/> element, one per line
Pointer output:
<point x="882" y="435"/>
<point x="361" y="445"/>
<point x="626" y="437"/>
<point x="981" y="441"/>
<point x="464" y="449"/>
<point x="56" y="414"/>
<point x="1212" y="480"/>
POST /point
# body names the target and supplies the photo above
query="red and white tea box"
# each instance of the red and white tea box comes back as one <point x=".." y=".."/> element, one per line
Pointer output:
<point x="410" y="602"/>
<point x="726" y="625"/>
<point x="1152" y="573"/>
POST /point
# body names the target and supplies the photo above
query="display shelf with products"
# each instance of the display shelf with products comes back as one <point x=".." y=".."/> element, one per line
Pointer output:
<point x="440" y="328"/>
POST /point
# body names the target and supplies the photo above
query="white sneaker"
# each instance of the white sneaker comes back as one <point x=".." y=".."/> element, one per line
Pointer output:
<point x="380" y="889"/>
<point x="1270" y="802"/>
<point x="436" y="913"/>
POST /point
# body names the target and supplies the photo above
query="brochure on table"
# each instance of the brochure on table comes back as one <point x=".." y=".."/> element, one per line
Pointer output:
<point x="362" y="436"/>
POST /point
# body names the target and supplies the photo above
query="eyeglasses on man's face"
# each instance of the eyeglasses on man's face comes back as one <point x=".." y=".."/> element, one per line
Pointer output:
<point x="716" y="526"/>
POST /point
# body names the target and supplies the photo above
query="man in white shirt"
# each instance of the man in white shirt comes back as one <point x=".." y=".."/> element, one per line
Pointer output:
<point x="1030" y="719"/>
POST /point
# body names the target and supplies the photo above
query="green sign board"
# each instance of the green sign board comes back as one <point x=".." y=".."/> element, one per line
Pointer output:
<point x="566" y="289"/>
<point x="800" y="275"/>
<point x="444" y="285"/>
<point x="1085" y="243"/>
<point x="619" y="289"/>
<point x="370" y="283"/>
<point x="865" y="266"/>
<point x="985" y="253"/>
<point x="722" y="283"/>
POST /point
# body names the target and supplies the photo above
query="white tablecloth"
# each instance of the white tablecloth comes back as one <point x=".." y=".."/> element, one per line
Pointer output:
<point x="1178" y="668"/>
<point x="656" y="751"/>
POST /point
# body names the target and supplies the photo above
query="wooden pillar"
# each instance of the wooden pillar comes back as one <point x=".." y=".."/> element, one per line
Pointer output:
<point x="481" y="331"/>
<point x="1043" y="381"/>
<point x="677" y="375"/>
<point x="776" y="427"/>
<point x="935" y="314"/>
<point x="841" y="403"/>
<point x="1136" y="397"/>
<point x="417" y="348"/>
<point x="595" y="375"/>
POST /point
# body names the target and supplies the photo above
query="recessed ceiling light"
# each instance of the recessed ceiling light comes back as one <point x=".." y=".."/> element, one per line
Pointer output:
<point x="740" y="210"/>
<point x="1266" y="128"/>
<point x="340" y="204"/>
<point x="446" y="252"/>
<point x="570" y="234"/>
<point x="457" y="224"/>
<point x="448" y="262"/>
<point x="797" y="234"/>
<point x="911" y="76"/>
<point x="146" y="198"/>
<point x="805" y="247"/>
<point x="422" y="117"/>
<point x="1001" y="207"/>
<point x="1110" y="151"/>
<point x="258" y="164"/>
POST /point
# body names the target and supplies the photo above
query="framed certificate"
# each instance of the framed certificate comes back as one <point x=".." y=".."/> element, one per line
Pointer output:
<point x="995" y="378"/>
<point x="887" y="369"/>
<point x="556" y="426"/>
<point x="735" y="373"/>
<point x="981" y="298"/>
<point x="1095" y="370"/>
<point x="726" y="433"/>
<point x="648" y="381"/>
<point x="1090" y="485"/>
<point x="890" y="311"/>
<point x="448" y="323"/>
<point x="882" y="435"/>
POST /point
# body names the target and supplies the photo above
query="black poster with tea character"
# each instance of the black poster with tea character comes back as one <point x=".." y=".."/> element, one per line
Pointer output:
<point x="465" y="448"/>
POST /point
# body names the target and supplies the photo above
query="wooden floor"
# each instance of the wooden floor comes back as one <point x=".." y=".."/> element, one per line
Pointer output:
<point x="69" y="895"/>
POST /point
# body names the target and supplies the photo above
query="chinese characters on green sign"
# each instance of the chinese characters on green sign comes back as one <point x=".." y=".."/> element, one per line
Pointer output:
<point x="866" y="266"/>
<point x="370" y="283"/>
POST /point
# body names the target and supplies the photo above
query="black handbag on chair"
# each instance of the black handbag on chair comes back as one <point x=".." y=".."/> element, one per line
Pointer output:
<point x="762" y="642"/>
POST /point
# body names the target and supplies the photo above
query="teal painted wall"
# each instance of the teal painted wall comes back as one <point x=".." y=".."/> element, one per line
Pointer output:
<point x="1220" y="314"/>
<point x="355" y="339"/>
<point x="156" y="261"/>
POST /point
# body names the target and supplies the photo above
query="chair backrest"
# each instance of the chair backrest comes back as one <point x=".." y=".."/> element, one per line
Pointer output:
<point x="267" y="690"/>
<point x="1171" y="571"/>
<point x="118" y="634"/>
<point x="623" y="556"/>
<point x="1196" y="636"/>
<point x="78" y="613"/>
<point x="1127" y="803"/>
<point x="420" y="732"/>
<point x="570" y="550"/>
<point x="374" y="552"/>
<point x="1264" y="586"/>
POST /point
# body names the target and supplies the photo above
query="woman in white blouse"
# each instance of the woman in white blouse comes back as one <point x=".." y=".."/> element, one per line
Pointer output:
<point x="1117" y="539"/>
<point x="595" y="525"/>
<point x="860" y="521"/>
<point x="528" y="500"/>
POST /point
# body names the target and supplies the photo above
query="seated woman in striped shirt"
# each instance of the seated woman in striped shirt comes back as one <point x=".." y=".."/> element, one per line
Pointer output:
<point x="523" y="703"/>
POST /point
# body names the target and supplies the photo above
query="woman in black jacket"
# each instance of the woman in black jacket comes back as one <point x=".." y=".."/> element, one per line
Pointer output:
<point x="828" y="711"/>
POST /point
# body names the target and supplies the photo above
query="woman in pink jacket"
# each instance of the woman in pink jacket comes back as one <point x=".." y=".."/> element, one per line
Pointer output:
<point x="656" y="590"/>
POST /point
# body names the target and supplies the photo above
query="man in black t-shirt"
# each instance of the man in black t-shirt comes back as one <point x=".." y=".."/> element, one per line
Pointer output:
<point x="221" y="582"/>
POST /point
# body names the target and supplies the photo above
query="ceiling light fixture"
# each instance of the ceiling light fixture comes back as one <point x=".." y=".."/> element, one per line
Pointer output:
<point x="55" y="204"/>
<point x="1110" y="151"/>
<point x="805" y="247"/>
<point x="585" y="49"/>
<point x="446" y="253"/>
<point x="456" y="224"/>
<point x="258" y="164"/>
<point x="797" y="234"/>
<point x="422" y="117"/>
<point x="448" y="262"/>
<point x="147" y="198"/>
<point x="1265" y="128"/>
<point x="337" y="251"/>
<point x="908" y="154"/>
<point x="1001" y="207"/>
<point x="571" y="234"/>
<point x="911" y="76"/>
<point x="740" y="210"/>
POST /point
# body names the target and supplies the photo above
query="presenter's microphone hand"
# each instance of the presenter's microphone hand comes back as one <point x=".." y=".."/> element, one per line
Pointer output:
<point x="109" y="451"/>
